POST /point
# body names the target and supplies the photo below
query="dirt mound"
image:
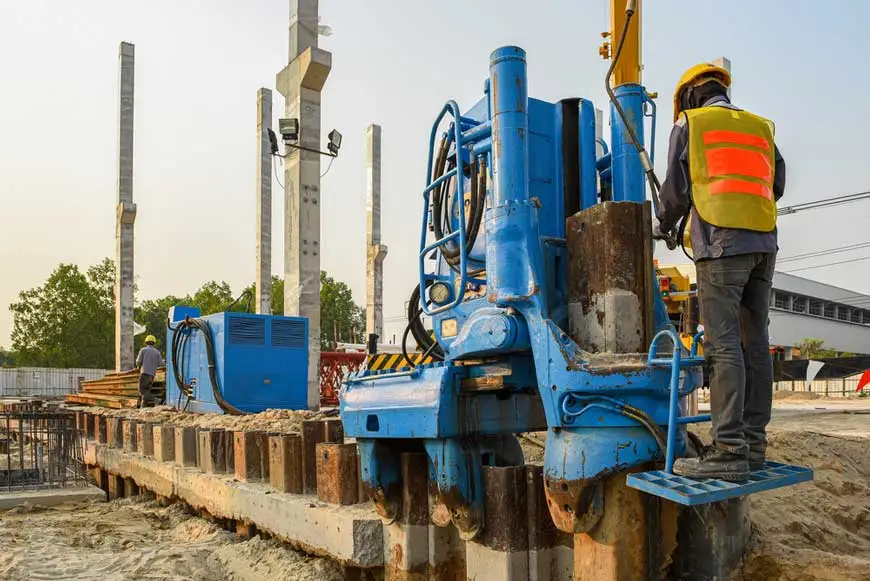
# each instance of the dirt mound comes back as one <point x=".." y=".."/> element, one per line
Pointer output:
<point x="796" y="395"/>
<point x="819" y="530"/>
<point x="273" y="420"/>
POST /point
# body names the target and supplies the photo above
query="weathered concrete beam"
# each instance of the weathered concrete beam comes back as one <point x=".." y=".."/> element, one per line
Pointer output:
<point x="125" y="212"/>
<point x="351" y="534"/>
<point x="263" y="280"/>
<point x="376" y="252"/>
<point x="301" y="83"/>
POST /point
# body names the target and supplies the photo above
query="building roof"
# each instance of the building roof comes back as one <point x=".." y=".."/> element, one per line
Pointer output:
<point x="817" y="290"/>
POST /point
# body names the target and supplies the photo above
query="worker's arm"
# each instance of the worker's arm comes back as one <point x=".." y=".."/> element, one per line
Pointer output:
<point x="139" y="359"/>
<point x="674" y="195"/>
<point x="778" y="175"/>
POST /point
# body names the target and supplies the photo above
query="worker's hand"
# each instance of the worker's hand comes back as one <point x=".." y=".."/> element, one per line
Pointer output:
<point x="669" y="238"/>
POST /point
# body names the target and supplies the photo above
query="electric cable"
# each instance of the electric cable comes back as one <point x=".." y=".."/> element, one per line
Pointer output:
<point x="827" y="202"/>
<point x="277" y="179"/>
<point x="819" y="253"/>
<point x="183" y="330"/>
<point x="328" y="167"/>
<point x="859" y="259"/>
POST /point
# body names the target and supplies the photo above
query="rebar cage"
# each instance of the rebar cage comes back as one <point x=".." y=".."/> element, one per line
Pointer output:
<point x="40" y="450"/>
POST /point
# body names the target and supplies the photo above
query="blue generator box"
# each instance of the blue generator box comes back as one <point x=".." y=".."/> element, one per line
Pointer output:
<point x="260" y="361"/>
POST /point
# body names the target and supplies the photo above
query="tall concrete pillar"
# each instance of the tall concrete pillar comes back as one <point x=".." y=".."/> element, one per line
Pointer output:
<point x="125" y="214"/>
<point x="301" y="82"/>
<point x="376" y="252"/>
<point x="725" y="64"/>
<point x="263" y="281"/>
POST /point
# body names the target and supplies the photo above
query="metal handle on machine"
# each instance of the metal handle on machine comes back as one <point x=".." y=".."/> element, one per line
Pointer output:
<point x="675" y="363"/>
<point x="459" y="122"/>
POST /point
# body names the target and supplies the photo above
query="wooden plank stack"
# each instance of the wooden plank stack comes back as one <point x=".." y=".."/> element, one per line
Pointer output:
<point x="117" y="390"/>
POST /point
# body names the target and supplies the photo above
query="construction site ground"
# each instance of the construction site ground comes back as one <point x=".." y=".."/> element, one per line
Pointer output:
<point x="815" y="531"/>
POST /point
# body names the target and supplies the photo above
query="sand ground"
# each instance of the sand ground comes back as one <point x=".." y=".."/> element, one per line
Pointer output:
<point x="133" y="540"/>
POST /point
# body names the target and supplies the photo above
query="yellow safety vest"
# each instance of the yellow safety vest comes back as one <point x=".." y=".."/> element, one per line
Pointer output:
<point x="731" y="167"/>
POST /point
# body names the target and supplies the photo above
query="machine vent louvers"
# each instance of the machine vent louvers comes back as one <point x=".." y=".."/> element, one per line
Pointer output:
<point x="244" y="331"/>
<point x="288" y="334"/>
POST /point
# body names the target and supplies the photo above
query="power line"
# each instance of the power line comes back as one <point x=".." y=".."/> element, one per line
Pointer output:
<point x="835" y="201"/>
<point x="859" y="259"/>
<point x="819" y="253"/>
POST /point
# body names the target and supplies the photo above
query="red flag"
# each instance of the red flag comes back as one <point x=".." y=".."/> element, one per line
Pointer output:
<point x="865" y="380"/>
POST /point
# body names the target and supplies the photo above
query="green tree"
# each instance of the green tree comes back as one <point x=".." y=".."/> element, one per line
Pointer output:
<point x="814" y="349"/>
<point x="68" y="321"/>
<point x="7" y="357"/>
<point x="153" y="314"/>
<point x="341" y="320"/>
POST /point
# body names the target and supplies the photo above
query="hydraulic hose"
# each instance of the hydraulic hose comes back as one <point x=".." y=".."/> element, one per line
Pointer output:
<point x="183" y="330"/>
<point x="415" y="327"/>
<point x="645" y="162"/>
<point x="441" y="218"/>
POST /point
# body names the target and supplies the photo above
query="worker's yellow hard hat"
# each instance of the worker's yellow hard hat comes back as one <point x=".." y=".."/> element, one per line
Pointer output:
<point x="150" y="339"/>
<point x="697" y="74"/>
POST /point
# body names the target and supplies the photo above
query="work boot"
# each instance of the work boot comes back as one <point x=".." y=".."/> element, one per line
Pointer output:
<point x="714" y="463"/>
<point x="756" y="458"/>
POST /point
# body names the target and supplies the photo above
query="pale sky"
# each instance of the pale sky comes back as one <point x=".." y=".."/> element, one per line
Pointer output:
<point x="199" y="65"/>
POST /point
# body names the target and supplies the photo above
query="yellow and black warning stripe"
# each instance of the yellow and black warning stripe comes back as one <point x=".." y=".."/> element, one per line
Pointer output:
<point x="395" y="361"/>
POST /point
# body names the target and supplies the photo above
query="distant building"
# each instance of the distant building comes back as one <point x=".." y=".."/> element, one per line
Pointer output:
<point x="801" y="308"/>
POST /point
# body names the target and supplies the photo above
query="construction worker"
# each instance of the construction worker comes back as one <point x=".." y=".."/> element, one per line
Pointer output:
<point x="148" y="360"/>
<point x="724" y="177"/>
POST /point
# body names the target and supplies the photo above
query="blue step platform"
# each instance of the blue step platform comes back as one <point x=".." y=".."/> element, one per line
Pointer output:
<point x="693" y="492"/>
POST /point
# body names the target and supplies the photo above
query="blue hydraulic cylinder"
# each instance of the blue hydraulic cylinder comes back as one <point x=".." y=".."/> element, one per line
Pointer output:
<point x="588" y="185"/>
<point x="513" y="250"/>
<point x="628" y="176"/>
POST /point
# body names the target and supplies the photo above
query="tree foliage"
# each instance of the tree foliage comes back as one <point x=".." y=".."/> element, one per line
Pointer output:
<point x="814" y="349"/>
<point x="70" y="321"/>
<point x="341" y="320"/>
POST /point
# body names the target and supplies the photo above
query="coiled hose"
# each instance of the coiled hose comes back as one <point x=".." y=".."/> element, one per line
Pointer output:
<point x="182" y="332"/>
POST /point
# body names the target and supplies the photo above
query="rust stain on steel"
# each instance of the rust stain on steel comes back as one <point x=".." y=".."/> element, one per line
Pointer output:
<point x="467" y="518"/>
<point x="386" y="502"/>
<point x="394" y="570"/>
<point x="452" y="569"/>
<point x="571" y="502"/>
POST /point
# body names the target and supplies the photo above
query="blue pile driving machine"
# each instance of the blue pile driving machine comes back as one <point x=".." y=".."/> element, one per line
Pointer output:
<point x="236" y="362"/>
<point x="536" y="269"/>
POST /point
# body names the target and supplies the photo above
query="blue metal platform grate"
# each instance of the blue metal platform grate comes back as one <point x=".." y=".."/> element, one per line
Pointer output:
<point x="692" y="492"/>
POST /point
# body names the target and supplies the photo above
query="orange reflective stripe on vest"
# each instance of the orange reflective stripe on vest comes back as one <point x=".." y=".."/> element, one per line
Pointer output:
<point x="731" y="166"/>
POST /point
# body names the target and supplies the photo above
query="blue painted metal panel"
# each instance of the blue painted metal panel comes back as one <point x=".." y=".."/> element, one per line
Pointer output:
<point x="261" y="362"/>
<point x="692" y="492"/>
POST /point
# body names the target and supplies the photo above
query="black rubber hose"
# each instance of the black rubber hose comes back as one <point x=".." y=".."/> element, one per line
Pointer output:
<point x="179" y="343"/>
<point x="441" y="221"/>
<point x="416" y="328"/>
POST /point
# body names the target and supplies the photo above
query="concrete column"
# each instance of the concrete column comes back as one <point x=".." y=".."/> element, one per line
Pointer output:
<point x="376" y="252"/>
<point x="125" y="215"/>
<point x="725" y="64"/>
<point x="263" y="281"/>
<point x="300" y="83"/>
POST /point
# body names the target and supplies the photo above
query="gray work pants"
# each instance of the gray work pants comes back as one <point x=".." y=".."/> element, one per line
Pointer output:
<point x="734" y="298"/>
<point x="146" y="384"/>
